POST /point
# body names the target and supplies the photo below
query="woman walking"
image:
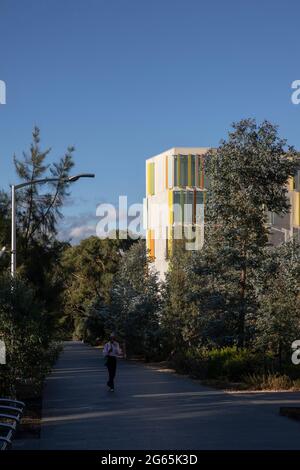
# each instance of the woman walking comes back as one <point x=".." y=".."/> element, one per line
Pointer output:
<point x="111" y="352"/>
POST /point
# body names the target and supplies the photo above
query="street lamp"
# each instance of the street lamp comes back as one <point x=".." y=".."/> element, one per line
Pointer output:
<point x="69" y="179"/>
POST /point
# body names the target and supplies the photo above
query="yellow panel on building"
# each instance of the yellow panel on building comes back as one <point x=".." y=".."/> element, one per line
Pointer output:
<point x="291" y="184"/>
<point x="150" y="178"/>
<point x="152" y="244"/>
<point x="296" y="208"/>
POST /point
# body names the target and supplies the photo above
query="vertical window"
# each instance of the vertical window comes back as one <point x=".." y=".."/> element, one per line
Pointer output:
<point x="193" y="171"/>
<point x="188" y="215"/>
<point x="171" y="161"/>
<point x="182" y="203"/>
<point x="271" y="217"/>
<point x="200" y="182"/>
<point x="196" y="170"/>
<point x="183" y="170"/>
<point x="186" y="171"/>
<point x="166" y="172"/>
<point x="199" y="197"/>
<point x="199" y="207"/>
<point x="176" y="182"/>
<point x="297" y="181"/>
<point x="189" y="170"/>
<point x="176" y="207"/>
<point x="178" y="170"/>
<point x="199" y="164"/>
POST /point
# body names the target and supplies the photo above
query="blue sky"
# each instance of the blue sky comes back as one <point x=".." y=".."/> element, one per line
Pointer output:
<point x="125" y="79"/>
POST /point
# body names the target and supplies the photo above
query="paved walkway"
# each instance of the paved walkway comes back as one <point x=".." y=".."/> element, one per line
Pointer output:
<point x="152" y="409"/>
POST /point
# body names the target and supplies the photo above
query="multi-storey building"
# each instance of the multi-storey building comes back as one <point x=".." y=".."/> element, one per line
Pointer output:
<point x="174" y="208"/>
<point x="283" y="228"/>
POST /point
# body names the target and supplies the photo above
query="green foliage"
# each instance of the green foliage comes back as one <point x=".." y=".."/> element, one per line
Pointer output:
<point x="89" y="269"/>
<point x="39" y="211"/>
<point x="31" y="305"/>
<point x="4" y="218"/>
<point x="233" y="307"/>
<point x="90" y="326"/>
<point x="192" y="361"/>
<point x="179" y="319"/>
<point x="229" y="311"/>
<point x="135" y="303"/>
<point x="230" y="363"/>
<point x="277" y="323"/>
<point x="24" y="329"/>
<point x="248" y="175"/>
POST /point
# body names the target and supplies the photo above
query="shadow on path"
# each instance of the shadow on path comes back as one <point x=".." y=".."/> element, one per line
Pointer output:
<point x="151" y="409"/>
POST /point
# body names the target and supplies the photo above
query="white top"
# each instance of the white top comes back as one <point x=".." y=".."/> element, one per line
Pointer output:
<point x="112" y="349"/>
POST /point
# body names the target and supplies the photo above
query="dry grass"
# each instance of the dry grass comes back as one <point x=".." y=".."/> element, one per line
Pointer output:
<point x="270" y="381"/>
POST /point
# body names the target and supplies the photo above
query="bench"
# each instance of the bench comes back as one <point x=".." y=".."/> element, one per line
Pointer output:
<point x="11" y="412"/>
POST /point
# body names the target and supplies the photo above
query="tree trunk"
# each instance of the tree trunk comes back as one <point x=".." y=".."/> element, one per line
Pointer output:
<point x="241" y="326"/>
<point x="280" y="356"/>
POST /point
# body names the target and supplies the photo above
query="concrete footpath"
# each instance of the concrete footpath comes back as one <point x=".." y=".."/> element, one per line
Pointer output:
<point x="153" y="409"/>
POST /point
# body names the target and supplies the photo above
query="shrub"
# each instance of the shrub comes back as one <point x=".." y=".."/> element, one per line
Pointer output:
<point x="24" y="328"/>
<point x="230" y="363"/>
<point x="269" y="381"/>
<point x="191" y="362"/>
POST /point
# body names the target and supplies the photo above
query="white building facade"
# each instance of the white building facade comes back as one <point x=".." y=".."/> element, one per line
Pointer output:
<point x="175" y="200"/>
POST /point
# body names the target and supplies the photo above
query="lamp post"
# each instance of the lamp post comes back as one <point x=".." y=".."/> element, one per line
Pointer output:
<point x="14" y="188"/>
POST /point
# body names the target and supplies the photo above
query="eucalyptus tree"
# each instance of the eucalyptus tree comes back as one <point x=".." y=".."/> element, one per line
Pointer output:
<point x="277" y="287"/>
<point x="88" y="271"/>
<point x="135" y="302"/>
<point x="248" y="175"/>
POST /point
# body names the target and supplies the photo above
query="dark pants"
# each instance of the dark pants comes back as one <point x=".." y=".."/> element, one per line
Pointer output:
<point x="111" y="367"/>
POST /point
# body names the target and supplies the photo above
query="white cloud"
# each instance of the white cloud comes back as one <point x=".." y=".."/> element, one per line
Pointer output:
<point x="83" y="231"/>
<point x="74" y="228"/>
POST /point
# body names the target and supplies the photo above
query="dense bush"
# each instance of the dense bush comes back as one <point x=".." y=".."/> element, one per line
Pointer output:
<point x="228" y="363"/>
<point x="135" y="304"/>
<point x="251" y="369"/>
<point x="90" y="326"/>
<point x="25" y="330"/>
<point x="190" y="362"/>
